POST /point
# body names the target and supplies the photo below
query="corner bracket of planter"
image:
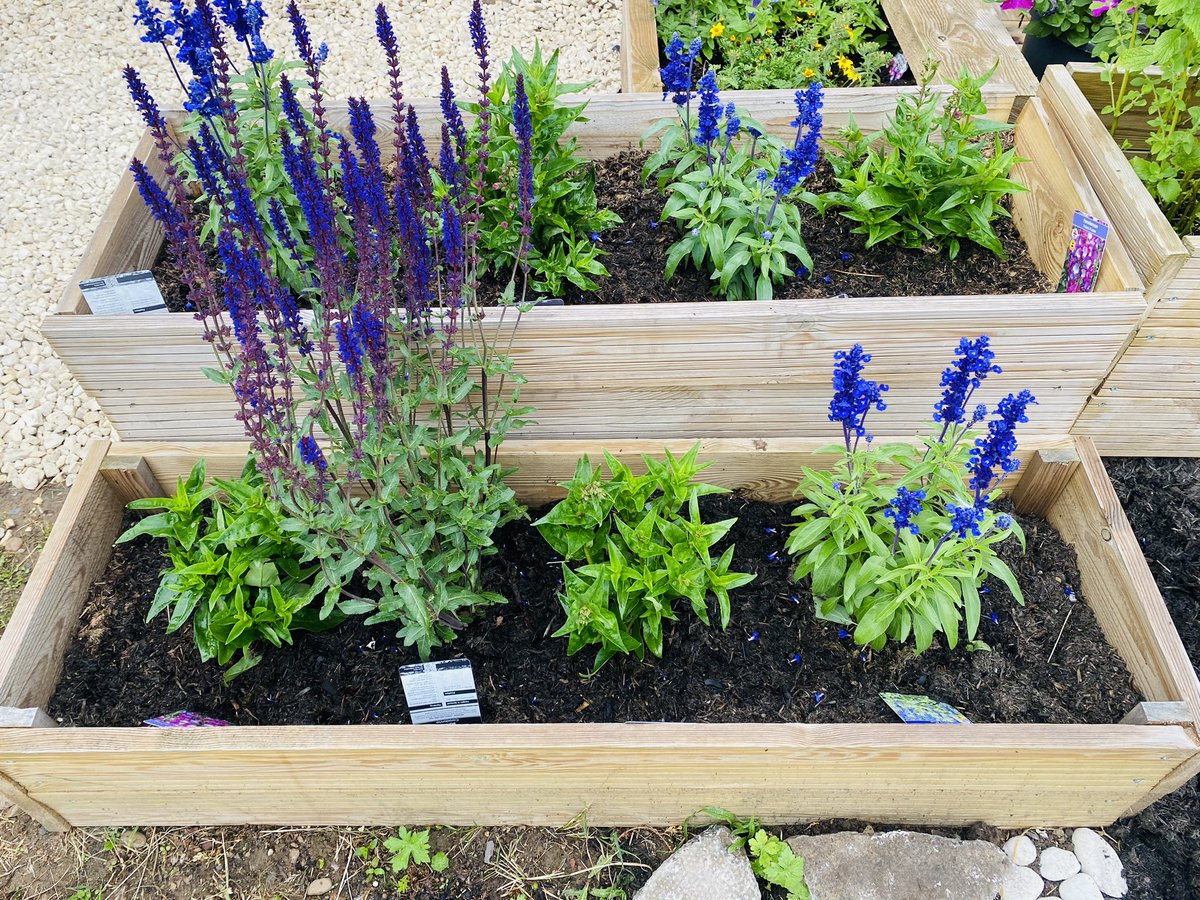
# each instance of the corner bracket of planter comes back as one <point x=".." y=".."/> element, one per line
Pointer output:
<point x="130" y="477"/>
<point x="1047" y="476"/>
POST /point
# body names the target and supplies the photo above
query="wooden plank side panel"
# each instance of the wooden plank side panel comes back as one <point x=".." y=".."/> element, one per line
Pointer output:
<point x="1058" y="188"/>
<point x="127" y="239"/>
<point x="44" y="621"/>
<point x="958" y="34"/>
<point x="656" y="774"/>
<point x="1149" y="238"/>
<point x="1119" y="587"/>
<point x="764" y="468"/>
<point x="675" y="370"/>
<point x="639" y="48"/>
<point x="1143" y="426"/>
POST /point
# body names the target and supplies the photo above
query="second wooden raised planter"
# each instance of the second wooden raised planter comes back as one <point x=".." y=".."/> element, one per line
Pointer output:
<point x="691" y="370"/>
<point x="1149" y="404"/>
<point x="616" y="774"/>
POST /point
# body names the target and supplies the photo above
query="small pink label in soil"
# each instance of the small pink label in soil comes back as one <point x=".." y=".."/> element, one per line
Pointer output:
<point x="184" y="719"/>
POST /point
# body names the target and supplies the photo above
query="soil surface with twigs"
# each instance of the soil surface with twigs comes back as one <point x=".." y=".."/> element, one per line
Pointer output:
<point x="776" y="663"/>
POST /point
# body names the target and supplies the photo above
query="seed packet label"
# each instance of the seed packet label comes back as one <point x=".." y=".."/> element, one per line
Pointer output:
<point x="184" y="719"/>
<point x="132" y="292"/>
<point x="920" y="710"/>
<point x="1084" y="253"/>
<point x="440" y="691"/>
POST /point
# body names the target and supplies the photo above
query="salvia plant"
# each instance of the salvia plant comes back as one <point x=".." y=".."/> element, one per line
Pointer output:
<point x="235" y="573"/>
<point x="936" y="175"/>
<point x="900" y="558"/>
<point x="567" y="221"/>
<point x="375" y="424"/>
<point x="633" y="545"/>
<point x="1153" y="66"/>
<point x="729" y="185"/>
<point x="187" y="36"/>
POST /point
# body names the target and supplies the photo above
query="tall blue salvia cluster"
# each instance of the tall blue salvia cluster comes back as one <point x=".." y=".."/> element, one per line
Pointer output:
<point x="679" y="72"/>
<point x="972" y="364"/>
<point x="404" y="293"/>
<point x="853" y="395"/>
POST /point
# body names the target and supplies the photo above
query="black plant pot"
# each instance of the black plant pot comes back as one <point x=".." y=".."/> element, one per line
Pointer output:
<point x="1040" y="52"/>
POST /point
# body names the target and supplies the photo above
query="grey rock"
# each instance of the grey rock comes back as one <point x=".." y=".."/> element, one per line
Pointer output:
<point x="703" y="869"/>
<point x="1079" y="887"/>
<point x="899" y="865"/>
<point x="319" y="887"/>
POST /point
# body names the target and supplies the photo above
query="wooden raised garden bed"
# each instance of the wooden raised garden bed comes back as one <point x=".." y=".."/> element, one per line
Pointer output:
<point x="677" y="370"/>
<point x="956" y="33"/>
<point x="619" y="774"/>
<point x="1149" y="404"/>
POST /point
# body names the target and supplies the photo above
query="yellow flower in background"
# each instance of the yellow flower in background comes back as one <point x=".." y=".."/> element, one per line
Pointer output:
<point x="848" y="71"/>
<point x="761" y="57"/>
<point x="809" y="73"/>
<point x="717" y="30"/>
<point x="850" y="32"/>
<point x="817" y="45"/>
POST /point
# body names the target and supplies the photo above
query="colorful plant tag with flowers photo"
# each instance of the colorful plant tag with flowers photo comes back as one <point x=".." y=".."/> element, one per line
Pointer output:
<point x="916" y="709"/>
<point x="184" y="719"/>
<point x="1084" y="253"/>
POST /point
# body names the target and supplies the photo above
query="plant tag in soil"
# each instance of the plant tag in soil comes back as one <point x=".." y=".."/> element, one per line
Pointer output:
<point x="1082" y="267"/>
<point x="441" y="692"/>
<point x="916" y="709"/>
<point x="132" y="292"/>
<point x="184" y="719"/>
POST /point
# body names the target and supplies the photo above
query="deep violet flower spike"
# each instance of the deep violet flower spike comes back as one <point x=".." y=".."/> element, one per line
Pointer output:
<point x="311" y="453"/>
<point x="291" y="108"/>
<point x="479" y="35"/>
<point x="349" y="349"/>
<point x="156" y="28"/>
<point x="972" y="364"/>
<point x="523" y="126"/>
<point x="904" y="508"/>
<point x="733" y="122"/>
<point x="853" y="395"/>
<point x="452" y="236"/>
<point x="143" y="100"/>
<point x="677" y="73"/>
<point x="384" y="31"/>
<point x="155" y="198"/>
<point x="710" y="109"/>
<point x="452" y="115"/>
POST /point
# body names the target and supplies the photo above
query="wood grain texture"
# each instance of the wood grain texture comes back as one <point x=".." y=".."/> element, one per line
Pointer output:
<point x="30" y="717"/>
<point x="1161" y="712"/>
<point x="45" y="618"/>
<point x="1044" y="479"/>
<point x="127" y="238"/>
<point x="676" y="370"/>
<point x="639" y="48"/>
<point x="130" y="478"/>
<point x="48" y="818"/>
<point x="657" y="774"/>
<point x="1119" y="587"/>
<point x="763" y="468"/>
<point x="959" y="34"/>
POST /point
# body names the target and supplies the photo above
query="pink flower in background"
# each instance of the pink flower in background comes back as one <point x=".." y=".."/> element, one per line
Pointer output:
<point x="1100" y="7"/>
<point x="1017" y="4"/>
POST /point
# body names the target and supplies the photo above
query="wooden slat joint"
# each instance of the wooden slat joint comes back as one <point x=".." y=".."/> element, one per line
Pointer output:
<point x="25" y="717"/>
<point x="1159" y="712"/>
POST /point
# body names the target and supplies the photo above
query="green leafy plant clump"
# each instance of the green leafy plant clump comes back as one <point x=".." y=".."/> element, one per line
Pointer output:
<point x="904" y="557"/>
<point x="771" y="858"/>
<point x="235" y="572"/>
<point x="1153" y="54"/>
<point x="567" y="219"/>
<point x="936" y="175"/>
<point x="640" y="553"/>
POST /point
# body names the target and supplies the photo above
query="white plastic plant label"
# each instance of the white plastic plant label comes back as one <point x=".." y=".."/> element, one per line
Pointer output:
<point x="131" y="292"/>
<point x="440" y="691"/>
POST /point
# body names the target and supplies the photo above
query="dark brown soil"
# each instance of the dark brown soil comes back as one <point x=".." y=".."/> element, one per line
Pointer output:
<point x="1161" y="845"/>
<point x="636" y="255"/>
<point x="1044" y="667"/>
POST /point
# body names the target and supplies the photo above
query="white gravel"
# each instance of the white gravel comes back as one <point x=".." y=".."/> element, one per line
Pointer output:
<point x="69" y="131"/>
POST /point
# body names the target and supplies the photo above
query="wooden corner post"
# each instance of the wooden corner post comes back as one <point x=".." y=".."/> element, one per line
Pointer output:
<point x="1047" y="476"/>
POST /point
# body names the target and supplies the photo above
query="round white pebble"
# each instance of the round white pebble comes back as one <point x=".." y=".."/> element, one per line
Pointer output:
<point x="1022" y="883"/>
<point x="1020" y="849"/>
<point x="1100" y="861"/>
<point x="1057" y="864"/>
<point x="1079" y="887"/>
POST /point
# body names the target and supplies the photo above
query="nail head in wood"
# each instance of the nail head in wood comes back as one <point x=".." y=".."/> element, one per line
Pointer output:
<point x="1044" y="479"/>
<point x="130" y="477"/>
